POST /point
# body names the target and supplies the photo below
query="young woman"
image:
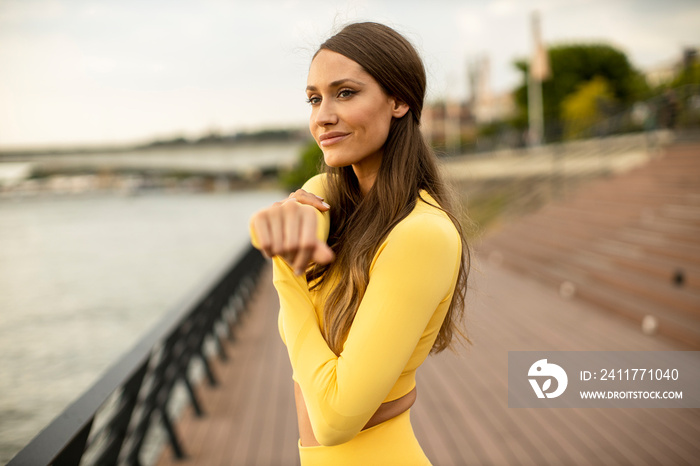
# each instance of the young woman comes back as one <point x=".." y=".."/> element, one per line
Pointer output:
<point x="368" y="259"/>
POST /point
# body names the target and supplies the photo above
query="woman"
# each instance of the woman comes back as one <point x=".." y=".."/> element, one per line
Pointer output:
<point x="373" y="280"/>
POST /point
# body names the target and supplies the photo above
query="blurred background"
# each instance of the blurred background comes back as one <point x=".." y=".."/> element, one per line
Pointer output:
<point x="136" y="138"/>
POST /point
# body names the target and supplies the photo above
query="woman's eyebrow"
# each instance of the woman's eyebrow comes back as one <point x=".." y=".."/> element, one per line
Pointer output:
<point x="337" y="83"/>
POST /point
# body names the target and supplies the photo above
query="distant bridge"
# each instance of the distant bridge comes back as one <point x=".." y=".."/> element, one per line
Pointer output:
<point x="242" y="160"/>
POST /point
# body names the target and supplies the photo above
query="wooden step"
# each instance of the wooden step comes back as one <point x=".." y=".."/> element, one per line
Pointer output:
<point x="585" y="215"/>
<point x="660" y="269"/>
<point x="646" y="237"/>
<point x="671" y="230"/>
<point x="668" y="231"/>
<point x="632" y="250"/>
<point x="685" y="213"/>
<point x="641" y="197"/>
<point x="664" y="294"/>
<point x="678" y="327"/>
<point x="542" y="240"/>
<point x="652" y="218"/>
<point x="684" y="330"/>
<point x="568" y="230"/>
<point x="543" y="253"/>
<point x="560" y="237"/>
<point x="555" y="249"/>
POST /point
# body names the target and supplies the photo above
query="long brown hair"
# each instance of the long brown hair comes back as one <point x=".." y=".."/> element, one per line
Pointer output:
<point x="360" y="223"/>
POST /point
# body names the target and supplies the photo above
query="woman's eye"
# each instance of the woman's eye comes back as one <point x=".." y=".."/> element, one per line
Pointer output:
<point x="313" y="100"/>
<point x="345" y="93"/>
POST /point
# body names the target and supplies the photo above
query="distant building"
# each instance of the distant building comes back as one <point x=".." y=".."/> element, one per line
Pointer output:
<point x="664" y="73"/>
<point x="496" y="107"/>
<point x="661" y="74"/>
<point x="451" y="125"/>
<point x="447" y="125"/>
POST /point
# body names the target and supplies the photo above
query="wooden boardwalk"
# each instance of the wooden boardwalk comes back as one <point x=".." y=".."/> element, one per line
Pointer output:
<point x="461" y="415"/>
<point x="620" y="246"/>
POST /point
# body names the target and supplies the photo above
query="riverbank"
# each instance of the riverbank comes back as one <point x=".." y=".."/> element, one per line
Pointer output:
<point x="130" y="184"/>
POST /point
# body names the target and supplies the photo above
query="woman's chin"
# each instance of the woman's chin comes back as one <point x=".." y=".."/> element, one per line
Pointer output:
<point x="333" y="162"/>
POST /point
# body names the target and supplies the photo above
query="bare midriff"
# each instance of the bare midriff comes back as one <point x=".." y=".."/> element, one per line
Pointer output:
<point x="385" y="412"/>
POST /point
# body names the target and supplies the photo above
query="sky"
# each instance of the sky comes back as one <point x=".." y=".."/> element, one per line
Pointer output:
<point x="89" y="72"/>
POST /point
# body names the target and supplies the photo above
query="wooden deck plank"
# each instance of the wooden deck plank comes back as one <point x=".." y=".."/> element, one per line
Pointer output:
<point x="434" y="443"/>
<point x="460" y="451"/>
<point x="483" y="447"/>
<point x="490" y="370"/>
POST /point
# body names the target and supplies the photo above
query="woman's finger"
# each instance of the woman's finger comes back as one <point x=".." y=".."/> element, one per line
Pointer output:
<point x="323" y="254"/>
<point x="307" y="198"/>
<point x="275" y="222"/>
<point x="262" y="231"/>
<point x="307" y="240"/>
<point x="292" y="225"/>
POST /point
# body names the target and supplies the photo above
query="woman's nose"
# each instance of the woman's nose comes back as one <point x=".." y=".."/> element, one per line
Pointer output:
<point x="326" y="114"/>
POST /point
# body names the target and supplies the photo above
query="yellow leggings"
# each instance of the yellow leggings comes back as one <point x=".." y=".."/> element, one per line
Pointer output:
<point x="390" y="443"/>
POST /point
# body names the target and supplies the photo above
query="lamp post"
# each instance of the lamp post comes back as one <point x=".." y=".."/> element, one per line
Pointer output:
<point x="538" y="72"/>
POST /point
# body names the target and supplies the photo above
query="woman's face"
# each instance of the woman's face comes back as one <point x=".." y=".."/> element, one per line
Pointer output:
<point x="350" y="112"/>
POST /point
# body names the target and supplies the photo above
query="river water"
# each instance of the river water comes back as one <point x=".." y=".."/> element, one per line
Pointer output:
<point x="83" y="277"/>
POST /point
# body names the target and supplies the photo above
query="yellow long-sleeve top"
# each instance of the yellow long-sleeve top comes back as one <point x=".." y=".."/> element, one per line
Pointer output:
<point x="411" y="281"/>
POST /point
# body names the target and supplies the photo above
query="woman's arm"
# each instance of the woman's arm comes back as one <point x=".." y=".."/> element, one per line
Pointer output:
<point x="295" y="229"/>
<point x="270" y="223"/>
<point x="413" y="272"/>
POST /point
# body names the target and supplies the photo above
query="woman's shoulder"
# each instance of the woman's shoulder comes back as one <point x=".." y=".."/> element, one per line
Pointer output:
<point x="428" y="209"/>
<point x="316" y="185"/>
<point x="427" y="221"/>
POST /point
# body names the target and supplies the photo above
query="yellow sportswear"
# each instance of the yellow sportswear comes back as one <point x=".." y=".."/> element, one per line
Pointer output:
<point x="411" y="281"/>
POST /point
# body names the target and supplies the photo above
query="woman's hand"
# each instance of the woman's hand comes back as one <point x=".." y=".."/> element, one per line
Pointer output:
<point x="288" y="229"/>
<point x="307" y="198"/>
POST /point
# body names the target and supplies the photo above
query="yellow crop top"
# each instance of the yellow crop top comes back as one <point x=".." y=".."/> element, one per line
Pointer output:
<point x="411" y="281"/>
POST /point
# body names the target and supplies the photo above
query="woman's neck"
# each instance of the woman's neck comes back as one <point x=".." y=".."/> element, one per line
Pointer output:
<point x="366" y="172"/>
<point x="366" y="182"/>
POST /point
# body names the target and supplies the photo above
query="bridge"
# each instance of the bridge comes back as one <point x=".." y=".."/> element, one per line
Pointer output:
<point x="198" y="159"/>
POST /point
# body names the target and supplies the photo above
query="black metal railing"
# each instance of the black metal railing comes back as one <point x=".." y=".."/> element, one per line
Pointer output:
<point x="108" y="424"/>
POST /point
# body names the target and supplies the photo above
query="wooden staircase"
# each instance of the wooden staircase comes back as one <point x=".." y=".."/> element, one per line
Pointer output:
<point x="629" y="244"/>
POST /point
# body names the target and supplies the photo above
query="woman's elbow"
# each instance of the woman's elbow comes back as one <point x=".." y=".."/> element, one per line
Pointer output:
<point x="329" y="437"/>
<point x="336" y="431"/>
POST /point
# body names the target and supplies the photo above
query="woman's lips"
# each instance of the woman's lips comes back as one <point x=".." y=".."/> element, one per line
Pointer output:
<point x="332" y="138"/>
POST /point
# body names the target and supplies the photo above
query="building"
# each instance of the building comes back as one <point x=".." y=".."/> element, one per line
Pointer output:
<point x="452" y="125"/>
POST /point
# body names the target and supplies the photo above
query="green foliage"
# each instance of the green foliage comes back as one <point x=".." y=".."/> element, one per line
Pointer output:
<point x="216" y="138"/>
<point x="688" y="75"/>
<point x="267" y="135"/>
<point x="573" y="65"/>
<point x="310" y="164"/>
<point x="583" y="108"/>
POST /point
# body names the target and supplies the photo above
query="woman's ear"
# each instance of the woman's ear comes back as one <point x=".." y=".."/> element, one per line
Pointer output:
<point x="399" y="108"/>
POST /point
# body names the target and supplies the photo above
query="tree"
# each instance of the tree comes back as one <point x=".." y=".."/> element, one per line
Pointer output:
<point x="574" y="65"/>
<point x="310" y="164"/>
<point x="688" y="75"/>
<point x="582" y="109"/>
